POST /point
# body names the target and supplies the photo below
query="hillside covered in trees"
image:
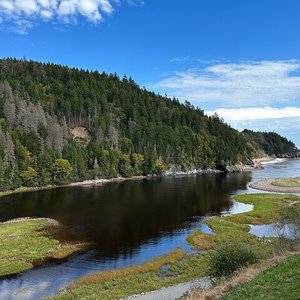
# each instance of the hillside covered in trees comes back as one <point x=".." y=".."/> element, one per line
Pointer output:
<point x="59" y="124"/>
<point x="271" y="143"/>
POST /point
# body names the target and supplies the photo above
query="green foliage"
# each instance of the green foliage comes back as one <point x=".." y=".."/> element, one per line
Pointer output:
<point x="159" y="167"/>
<point x="271" y="143"/>
<point x="61" y="170"/>
<point x="29" y="176"/>
<point x="130" y="130"/>
<point x="230" y="258"/>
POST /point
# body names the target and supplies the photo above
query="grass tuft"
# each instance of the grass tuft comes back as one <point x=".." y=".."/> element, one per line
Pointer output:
<point x="201" y="241"/>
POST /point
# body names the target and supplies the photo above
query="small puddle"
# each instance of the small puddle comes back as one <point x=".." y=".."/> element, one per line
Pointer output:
<point x="273" y="230"/>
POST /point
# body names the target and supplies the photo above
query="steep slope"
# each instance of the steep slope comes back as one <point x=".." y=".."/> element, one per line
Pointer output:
<point x="130" y="130"/>
<point x="271" y="143"/>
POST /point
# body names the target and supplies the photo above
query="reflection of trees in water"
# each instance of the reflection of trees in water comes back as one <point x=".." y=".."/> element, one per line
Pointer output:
<point x="120" y="216"/>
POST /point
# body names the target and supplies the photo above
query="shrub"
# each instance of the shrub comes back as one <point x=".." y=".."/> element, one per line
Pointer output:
<point x="229" y="258"/>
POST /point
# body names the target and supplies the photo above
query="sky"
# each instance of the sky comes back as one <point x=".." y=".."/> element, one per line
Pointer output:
<point x="237" y="58"/>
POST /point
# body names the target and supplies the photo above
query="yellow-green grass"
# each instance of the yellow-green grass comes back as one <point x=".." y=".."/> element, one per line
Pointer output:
<point x="121" y="283"/>
<point x="26" y="243"/>
<point x="201" y="241"/>
<point x="287" y="182"/>
<point x="152" y="265"/>
<point x="266" y="208"/>
<point x="279" y="282"/>
<point x="235" y="228"/>
<point x="117" y="284"/>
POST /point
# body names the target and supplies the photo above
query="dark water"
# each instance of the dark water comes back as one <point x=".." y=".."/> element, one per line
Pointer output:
<point x="128" y="222"/>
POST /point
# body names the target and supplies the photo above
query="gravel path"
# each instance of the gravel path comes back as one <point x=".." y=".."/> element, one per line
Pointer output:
<point x="173" y="292"/>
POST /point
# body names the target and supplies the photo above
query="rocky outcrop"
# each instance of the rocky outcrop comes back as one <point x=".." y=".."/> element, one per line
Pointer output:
<point x="240" y="168"/>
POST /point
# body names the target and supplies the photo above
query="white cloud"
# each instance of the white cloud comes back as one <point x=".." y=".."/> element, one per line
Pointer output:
<point x="255" y="113"/>
<point x="14" y="13"/>
<point x="285" y="121"/>
<point x="178" y="59"/>
<point x="254" y="83"/>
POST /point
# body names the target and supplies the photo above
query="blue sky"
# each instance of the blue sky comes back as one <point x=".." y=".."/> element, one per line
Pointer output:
<point x="239" y="58"/>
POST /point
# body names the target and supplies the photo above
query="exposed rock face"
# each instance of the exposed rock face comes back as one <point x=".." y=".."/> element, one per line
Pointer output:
<point x="239" y="168"/>
<point x="80" y="133"/>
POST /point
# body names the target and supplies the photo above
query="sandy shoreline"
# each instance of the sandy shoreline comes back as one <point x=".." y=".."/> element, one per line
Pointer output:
<point x="103" y="181"/>
<point x="259" y="162"/>
<point x="86" y="183"/>
<point x="266" y="185"/>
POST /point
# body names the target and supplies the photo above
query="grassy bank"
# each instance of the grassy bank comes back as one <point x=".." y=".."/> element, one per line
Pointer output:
<point x="28" y="242"/>
<point x="178" y="267"/>
<point x="278" y="282"/>
<point x="150" y="276"/>
<point x="25" y="189"/>
<point x="267" y="209"/>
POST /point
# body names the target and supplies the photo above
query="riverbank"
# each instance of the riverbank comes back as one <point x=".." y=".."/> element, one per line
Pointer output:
<point x="122" y="283"/>
<point x="101" y="181"/>
<point x="92" y="182"/>
<point x="26" y="243"/>
<point x="281" y="281"/>
<point x="274" y="185"/>
<point x="275" y="278"/>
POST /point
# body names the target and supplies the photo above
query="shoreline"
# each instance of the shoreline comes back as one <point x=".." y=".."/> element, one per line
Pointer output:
<point x="257" y="164"/>
<point x="236" y="226"/>
<point x="266" y="185"/>
<point x="92" y="182"/>
<point x="101" y="181"/>
<point x="44" y="247"/>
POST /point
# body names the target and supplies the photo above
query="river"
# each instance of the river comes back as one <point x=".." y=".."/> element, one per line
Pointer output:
<point x="128" y="222"/>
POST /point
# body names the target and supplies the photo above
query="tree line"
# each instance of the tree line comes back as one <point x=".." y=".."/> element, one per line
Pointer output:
<point x="131" y="131"/>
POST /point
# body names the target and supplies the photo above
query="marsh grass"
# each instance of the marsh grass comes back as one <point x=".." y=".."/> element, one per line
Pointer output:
<point x="26" y="243"/>
<point x="151" y="266"/>
<point x="117" y="284"/>
<point x="201" y="241"/>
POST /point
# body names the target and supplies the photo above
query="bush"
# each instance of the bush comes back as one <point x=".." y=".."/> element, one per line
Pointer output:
<point x="228" y="259"/>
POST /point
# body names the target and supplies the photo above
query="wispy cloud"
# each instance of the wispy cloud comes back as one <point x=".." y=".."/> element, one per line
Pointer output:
<point x="179" y="59"/>
<point x="285" y="121"/>
<point x="256" y="113"/>
<point x="20" y="15"/>
<point x="253" y="83"/>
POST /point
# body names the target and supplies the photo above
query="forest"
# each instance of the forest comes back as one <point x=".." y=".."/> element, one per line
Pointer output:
<point x="271" y="143"/>
<point x="61" y="124"/>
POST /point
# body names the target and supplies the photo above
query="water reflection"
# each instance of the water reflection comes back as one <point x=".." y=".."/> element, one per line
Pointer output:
<point x="129" y="222"/>
<point x="119" y="217"/>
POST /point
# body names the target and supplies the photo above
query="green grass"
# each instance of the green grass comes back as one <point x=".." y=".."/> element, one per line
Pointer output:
<point x="116" y="284"/>
<point x="287" y="182"/>
<point x="26" y="243"/>
<point x="279" y="282"/>
<point x="266" y="208"/>
<point x="133" y="280"/>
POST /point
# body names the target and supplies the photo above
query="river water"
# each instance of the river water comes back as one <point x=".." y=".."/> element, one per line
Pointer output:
<point x="128" y="222"/>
